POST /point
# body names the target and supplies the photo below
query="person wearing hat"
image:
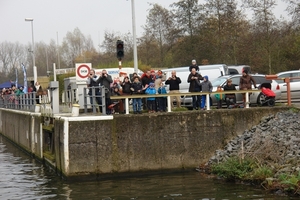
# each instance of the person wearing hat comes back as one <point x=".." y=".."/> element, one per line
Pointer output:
<point x="194" y="65"/>
<point x="246" y="82"/>
<point x="151" y="103"/>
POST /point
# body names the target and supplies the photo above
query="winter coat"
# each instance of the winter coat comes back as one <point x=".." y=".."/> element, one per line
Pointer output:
<point x="126" y="88"/>
<point x="174" y="83"/>
<point x="150" y="90"/>
<point x="229" y="88"/>
<point x="162" y="90"/>
<point x="194" y="83"/>
<point x="106" y="81"/>
<point x="137" y="88"/>
<point x="245" y="82"/>
<point x="206" y="85"/>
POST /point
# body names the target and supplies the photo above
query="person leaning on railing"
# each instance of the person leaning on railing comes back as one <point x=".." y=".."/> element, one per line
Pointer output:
<point x="245" y="84"/>
<point x="126" y="85"/>
<point x="105" y="80"/>
<point x="92" y="82"/>
<point x="230" y="98"/>
<point x="137" y="88"/>
<point x="174" y="83"/>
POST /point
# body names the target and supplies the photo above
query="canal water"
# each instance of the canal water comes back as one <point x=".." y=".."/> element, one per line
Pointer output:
<point x="21" y="177"/>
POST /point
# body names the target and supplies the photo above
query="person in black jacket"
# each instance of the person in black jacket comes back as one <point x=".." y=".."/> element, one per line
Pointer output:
<point x="194" y="66"/>
<point x="174" y="82"/>
<point x="194" y="80"/>
<point x="105" y="80"/>
<point x="137" y="88"/>
<point x="230" y="98"/>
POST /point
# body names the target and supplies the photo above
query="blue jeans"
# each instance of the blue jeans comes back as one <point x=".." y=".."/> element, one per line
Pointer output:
<point x="162" y="102"/>
<point x="196" y="99"/>
<point x="203" y="101"/>
<point x="137" y="104"/>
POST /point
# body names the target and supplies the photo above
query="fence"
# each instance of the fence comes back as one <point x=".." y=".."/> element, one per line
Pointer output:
<point x="97" y="99"/>
<point x="127" y="97"/>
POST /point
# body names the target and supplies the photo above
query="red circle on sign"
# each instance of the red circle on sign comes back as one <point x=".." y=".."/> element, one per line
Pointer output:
<point x="79" y="68"/>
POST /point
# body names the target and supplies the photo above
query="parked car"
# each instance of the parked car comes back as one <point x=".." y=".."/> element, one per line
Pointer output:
<point x="294" y="84"/>
<point x="255" y="97"/>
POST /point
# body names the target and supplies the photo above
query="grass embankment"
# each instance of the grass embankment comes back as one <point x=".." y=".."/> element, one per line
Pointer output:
<point x="236" y="169"/>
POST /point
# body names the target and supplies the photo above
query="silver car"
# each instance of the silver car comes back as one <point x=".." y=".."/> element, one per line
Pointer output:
<point x="255" y="97"/>
<point x="294" y="84"/>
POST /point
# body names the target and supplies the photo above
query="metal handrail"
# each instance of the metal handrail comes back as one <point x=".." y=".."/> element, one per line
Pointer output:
<point x="168" y="95"/>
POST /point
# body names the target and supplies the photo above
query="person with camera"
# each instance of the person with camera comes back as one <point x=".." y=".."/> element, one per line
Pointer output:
<point x="93" y="85"/>
<point x="105" y="80"/>
<point x="174" y="82"/>
<point x="195" y="86"/>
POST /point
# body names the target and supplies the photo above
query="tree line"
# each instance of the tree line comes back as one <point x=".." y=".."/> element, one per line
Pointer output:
<point x="217" y="31"/>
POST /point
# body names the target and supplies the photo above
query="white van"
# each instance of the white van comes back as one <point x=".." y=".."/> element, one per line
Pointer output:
<point x="212" y="71"/>
<point x="238" y="69"/>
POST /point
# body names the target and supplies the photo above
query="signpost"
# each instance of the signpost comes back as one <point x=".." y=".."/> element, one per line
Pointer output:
<point x="82" y="72"/>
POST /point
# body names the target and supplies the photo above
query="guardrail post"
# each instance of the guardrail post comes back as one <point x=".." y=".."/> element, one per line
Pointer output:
<point x="169" y="103"/>
<point x="103" y="100"/>
<point x="207" y="102"/>
<point x="247" y="100"/>
<point x="127" y="105"/>
<point x="288" y="89"/>
<point x="84" y="100"/>
<point x="94" y="99"/>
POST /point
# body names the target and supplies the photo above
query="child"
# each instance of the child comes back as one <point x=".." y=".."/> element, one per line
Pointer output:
<point x="206" y="87"/>
<point x="115" y="106"/>
<point x="136" y="88"/>
<point x="219" y="97"/>
<point x="162" y="101"/>
<point x="151" y="103"/>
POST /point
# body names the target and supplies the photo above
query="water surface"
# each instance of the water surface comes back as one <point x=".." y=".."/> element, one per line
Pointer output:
<point x="21" y="177"/>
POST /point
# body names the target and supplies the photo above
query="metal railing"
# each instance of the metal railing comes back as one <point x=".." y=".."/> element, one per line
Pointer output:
<point x="19" y="102"/>
<point x="97" y="98"/>
<point x="168" y="95"/>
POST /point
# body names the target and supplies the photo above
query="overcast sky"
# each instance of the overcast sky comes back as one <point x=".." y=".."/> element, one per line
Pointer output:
<point x="92" y="17"/>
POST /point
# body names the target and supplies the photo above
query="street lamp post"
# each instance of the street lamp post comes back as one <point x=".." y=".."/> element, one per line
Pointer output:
<point x="33" y="50"/>
<point x="135" y="59"/>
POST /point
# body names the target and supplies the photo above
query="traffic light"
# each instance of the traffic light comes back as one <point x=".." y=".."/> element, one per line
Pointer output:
<point x="120" y="49"/>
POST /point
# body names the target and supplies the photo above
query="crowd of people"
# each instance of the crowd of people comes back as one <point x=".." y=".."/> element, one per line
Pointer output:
<point x="155" y="82"/>
<point x="12" y="94"/>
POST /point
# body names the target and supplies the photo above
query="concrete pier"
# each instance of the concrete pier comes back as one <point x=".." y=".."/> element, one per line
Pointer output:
<point x="97" y="146"/>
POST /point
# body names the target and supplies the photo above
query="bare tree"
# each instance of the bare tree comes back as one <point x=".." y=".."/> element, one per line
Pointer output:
<point x="159" y="27"/>
<point x="264" y="26"/>
<point x="75" y="45"/>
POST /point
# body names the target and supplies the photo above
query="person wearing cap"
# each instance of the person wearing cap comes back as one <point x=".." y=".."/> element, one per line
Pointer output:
<point x="246" y="82"/>
<point x="194" y="65"/>
<point x="151" y="103"/>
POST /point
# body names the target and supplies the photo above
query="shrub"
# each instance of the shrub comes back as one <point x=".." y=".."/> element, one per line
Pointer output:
<point x="233" y="168"/>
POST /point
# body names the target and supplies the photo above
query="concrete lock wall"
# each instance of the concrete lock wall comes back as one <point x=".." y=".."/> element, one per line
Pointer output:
<point x="139" y="143"/>
<point x="24" y="129"/>
<point x="99" y="145"/>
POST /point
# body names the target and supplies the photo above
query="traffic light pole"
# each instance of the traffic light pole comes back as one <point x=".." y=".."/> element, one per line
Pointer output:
<point x="120" y="63"/>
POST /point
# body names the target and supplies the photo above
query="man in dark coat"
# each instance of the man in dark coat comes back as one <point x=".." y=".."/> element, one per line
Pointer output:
<point x="105" y="80"/>
<point x="194" y="80"/>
